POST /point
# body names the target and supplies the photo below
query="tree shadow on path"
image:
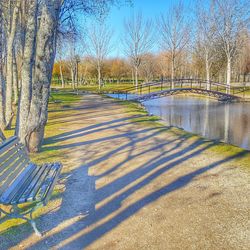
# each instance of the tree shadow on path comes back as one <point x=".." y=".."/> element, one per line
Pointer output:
<point x="78" y="235"/>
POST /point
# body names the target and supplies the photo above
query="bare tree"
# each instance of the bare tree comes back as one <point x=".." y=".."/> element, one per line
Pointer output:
<point x="148" y="67"/>
<point x="72" y="64"/>
<point x="175" y="33"/>
<point x="60" y="60"/>
<point x="243" y="60"/>
<point x="206" y="37"/>
<point x="138" y="40"/>
<point x="231" y="18"/>
<point x="99" y="46"/>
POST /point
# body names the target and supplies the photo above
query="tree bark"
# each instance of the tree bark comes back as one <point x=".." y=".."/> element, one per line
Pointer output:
<point x="45" y="55"/>
<point x="2" y="136"/>
<point x="2" y="99"/>
<point x="27" y="72"/>
<point x="9" y="66"/>
<point x="15" y="80"/>
<point x="2" y="83"/>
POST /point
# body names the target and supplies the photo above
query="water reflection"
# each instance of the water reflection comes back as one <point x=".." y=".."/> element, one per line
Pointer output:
<point x="209" y="118"/>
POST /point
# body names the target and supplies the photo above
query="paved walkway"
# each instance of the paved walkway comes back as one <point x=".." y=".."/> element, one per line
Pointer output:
<point x="132" y="186"/>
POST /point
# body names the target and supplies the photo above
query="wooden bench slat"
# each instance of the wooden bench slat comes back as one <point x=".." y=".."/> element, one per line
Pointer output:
<point x="47" y="182"/>
<point x="22" y="198"/>
<point x="12" y="172"/>
<point x="8" y="195"/>
<point x="7" y="144"/>
<point x="7" y="166"/>
<point x="33" y="193"/>
<point x="10" y="165"/>
<point x="9" y="153"/>
<point x="50" y="188"/>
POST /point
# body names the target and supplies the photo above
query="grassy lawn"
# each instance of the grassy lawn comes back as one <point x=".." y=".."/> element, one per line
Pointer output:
<point x="61" y="108"/>
<point x="94" y="88"/>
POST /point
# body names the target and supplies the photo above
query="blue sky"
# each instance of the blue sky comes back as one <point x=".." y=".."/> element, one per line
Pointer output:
<point x="149" y="8"/>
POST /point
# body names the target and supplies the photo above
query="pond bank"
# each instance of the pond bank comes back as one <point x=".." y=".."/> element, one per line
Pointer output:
<point x="129" y="182"/>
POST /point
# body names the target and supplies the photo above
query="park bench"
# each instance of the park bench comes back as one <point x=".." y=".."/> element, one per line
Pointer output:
<point x="23" y="182"/>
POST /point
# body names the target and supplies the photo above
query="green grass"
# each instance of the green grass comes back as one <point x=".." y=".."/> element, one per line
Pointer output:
<point x="8" y="227"/>
<point x="94" y="88"/>
<point x="64" y="97"/>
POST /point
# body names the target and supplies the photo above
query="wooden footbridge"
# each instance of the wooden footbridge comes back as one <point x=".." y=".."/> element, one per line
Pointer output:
<point x="157" y="89"/>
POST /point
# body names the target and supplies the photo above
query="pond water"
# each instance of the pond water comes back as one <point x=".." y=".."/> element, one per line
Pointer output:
<point x="228" y="122"/>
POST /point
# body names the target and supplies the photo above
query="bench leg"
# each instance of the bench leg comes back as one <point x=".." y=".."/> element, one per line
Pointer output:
<point x="31" y="220"/>
<point x="33" y="224"/>
<point x="27" y="215"/>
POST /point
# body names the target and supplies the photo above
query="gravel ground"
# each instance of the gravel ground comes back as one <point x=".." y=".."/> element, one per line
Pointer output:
<point x="132" y="186"/>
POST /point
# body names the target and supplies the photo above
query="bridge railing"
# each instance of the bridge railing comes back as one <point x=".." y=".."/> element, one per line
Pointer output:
<point x="185" y="83"/>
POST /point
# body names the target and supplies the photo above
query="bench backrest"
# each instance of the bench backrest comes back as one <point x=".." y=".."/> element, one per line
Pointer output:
<point x="13" y="159"/>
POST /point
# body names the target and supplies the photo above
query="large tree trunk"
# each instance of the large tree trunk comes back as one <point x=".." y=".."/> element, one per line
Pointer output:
<point x="2" y="100"/>
<point x="2" y="85"/>
<point x="26" y="73"/>
<point x="45" y="55"/>
<point x="2" y="136"/>
<point x="9" y="65"/>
